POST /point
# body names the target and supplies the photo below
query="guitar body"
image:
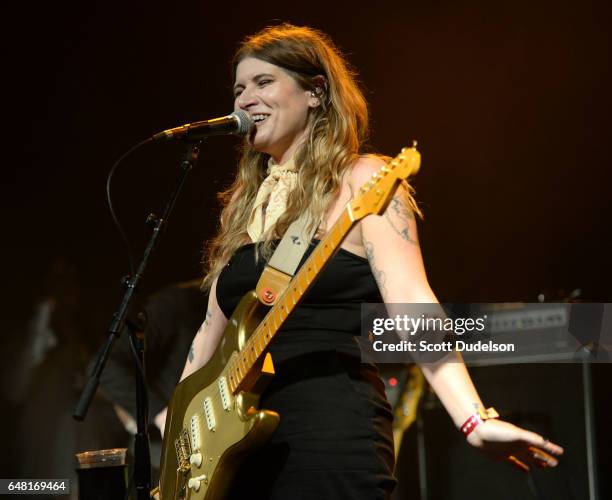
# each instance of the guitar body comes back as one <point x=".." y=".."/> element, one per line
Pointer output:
<point x="209" y="430"/>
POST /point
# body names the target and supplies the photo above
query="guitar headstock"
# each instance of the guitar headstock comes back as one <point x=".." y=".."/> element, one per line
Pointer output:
<point x="374" y="195"/>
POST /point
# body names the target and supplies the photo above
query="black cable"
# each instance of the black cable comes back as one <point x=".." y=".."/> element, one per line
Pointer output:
<point x="110" y="202"/>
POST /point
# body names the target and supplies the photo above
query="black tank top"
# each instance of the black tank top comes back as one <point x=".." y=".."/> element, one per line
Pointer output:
<point x="328" y="316"/>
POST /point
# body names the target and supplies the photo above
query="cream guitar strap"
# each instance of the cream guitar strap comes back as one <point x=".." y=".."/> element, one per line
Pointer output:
<point x="283" y="263"/>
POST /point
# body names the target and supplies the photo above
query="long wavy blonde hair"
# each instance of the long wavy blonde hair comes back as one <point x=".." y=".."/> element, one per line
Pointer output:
<point x="338" y="129"/>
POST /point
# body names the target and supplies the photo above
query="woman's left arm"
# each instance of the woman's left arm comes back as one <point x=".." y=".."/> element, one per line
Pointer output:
<point x="392" y="247"/>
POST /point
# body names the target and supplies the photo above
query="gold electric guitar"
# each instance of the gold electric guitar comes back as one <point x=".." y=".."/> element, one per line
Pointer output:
<point x="213" y="418"/>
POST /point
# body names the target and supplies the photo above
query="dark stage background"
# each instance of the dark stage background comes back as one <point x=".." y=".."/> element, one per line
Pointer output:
<point x="510" y="103"/>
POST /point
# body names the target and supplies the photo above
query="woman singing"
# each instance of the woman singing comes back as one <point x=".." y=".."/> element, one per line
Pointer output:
<point x="304" y="153"/>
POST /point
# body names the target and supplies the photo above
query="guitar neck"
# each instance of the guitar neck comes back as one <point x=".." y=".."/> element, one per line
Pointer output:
<point x="289" y="300"/>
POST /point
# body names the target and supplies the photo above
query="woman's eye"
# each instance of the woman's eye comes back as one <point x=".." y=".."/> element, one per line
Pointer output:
<point x="263" y="83"/>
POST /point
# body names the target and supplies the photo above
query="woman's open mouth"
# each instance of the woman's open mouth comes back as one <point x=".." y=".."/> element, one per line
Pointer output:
<point x="259" y="117"/>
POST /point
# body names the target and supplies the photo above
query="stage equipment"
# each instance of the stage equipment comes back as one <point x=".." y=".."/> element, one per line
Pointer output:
<point x="404" y="386"/>
<point x="554" y="400"/>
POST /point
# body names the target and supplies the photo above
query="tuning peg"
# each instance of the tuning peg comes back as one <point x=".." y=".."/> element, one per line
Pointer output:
<point x="152" y="219"/>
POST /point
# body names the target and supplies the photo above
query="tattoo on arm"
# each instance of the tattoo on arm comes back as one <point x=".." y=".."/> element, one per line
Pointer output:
<point x="191" y="355"/>
<point x="400" y="210"/>
<point x="379" y="275"/>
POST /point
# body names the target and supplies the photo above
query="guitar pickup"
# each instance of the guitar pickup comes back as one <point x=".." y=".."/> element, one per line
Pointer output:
<point x="225" y="394"/>
<point x="209" y="414"/>
<point x="196" y="435"/>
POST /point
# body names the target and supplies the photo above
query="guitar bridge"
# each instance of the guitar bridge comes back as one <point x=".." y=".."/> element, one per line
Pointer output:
<point x="183" y="451"/>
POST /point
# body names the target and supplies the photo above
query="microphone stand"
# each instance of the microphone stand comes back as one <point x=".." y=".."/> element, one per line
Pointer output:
<point x="142" y="465"/>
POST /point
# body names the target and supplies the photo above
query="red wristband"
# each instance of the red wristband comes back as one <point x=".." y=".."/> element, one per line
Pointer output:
<point x="475" y="419"/>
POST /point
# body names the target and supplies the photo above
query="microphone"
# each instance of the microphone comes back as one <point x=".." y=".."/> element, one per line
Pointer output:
<point x="238" y="123"/>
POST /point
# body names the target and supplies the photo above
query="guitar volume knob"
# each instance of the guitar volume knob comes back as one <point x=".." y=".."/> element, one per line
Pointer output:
<point x="196" y="459"/>
<point x="194" y="484"/>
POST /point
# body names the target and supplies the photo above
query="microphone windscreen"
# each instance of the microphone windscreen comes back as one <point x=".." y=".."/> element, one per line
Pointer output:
<point x="245" y="122"/>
